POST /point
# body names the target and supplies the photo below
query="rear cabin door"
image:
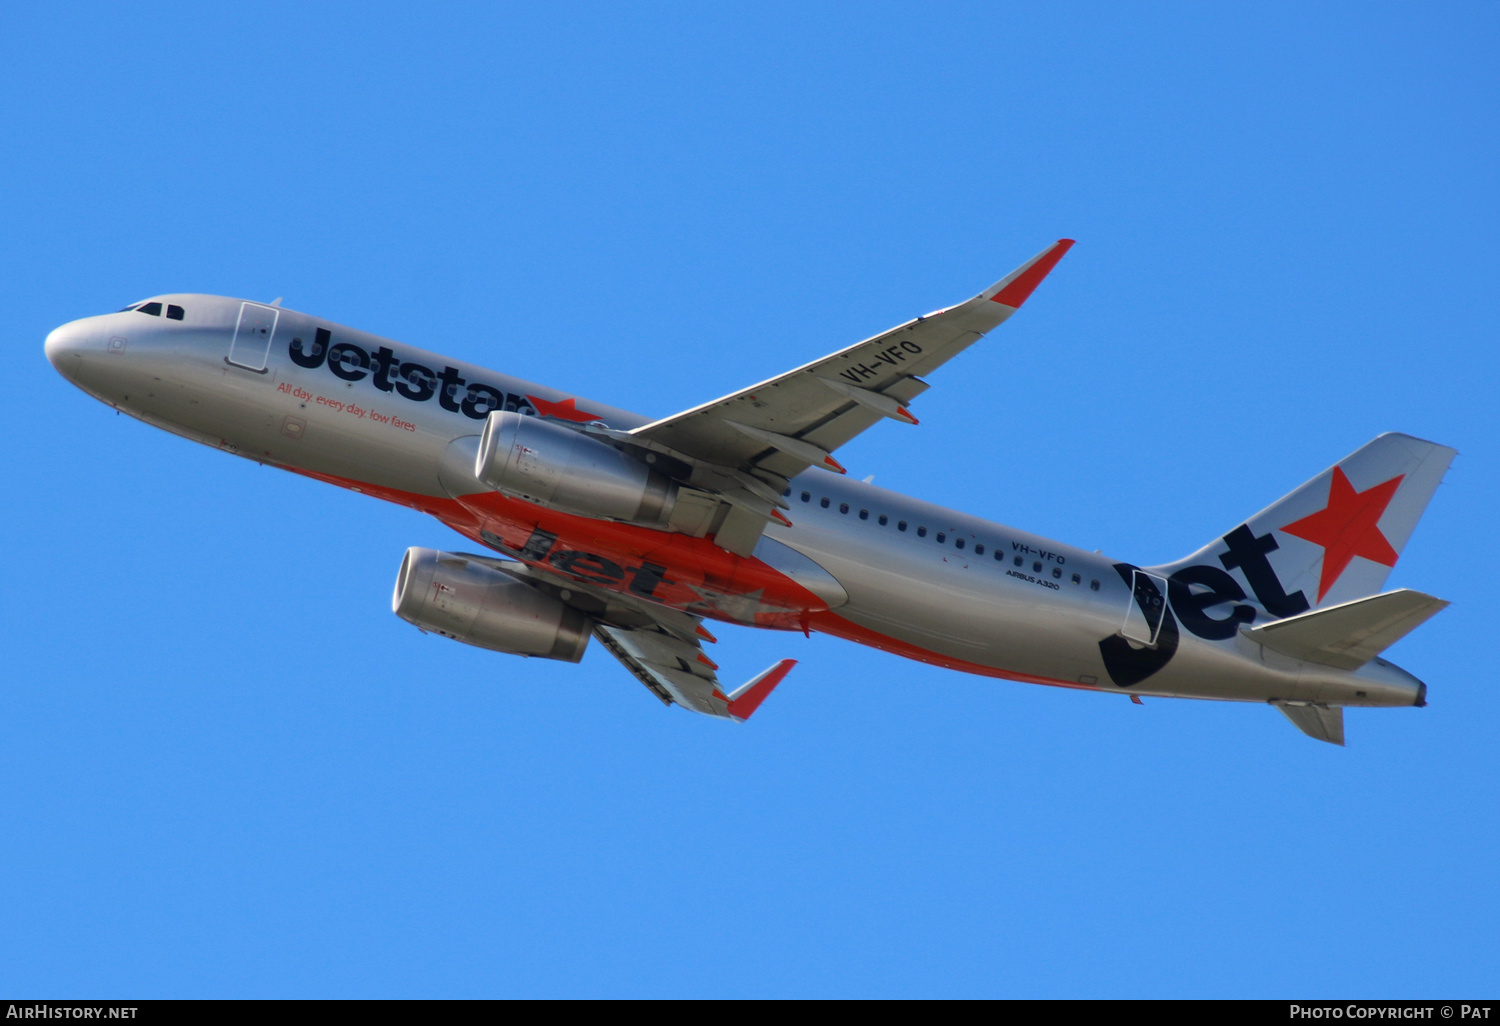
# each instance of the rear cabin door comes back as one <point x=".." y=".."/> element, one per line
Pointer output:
<point x="1147" y="610"/>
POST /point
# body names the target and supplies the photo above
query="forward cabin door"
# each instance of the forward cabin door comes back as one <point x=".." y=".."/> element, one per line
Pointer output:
<point x="252" y="336"/>
<point x="1147" y="610"/>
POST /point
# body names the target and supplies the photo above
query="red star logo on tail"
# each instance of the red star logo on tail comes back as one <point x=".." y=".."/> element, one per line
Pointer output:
<point x="1347" y="527"/>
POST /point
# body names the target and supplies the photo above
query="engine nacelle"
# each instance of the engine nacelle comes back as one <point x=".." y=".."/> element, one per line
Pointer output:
<point x="468" y="601"/>
<point x="570" y="471"/>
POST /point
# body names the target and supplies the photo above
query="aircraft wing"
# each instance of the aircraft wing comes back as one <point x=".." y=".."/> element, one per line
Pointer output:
<point x="678" y="671"/>
<point x="661" y="647"/>
<point x="778" y="428"/>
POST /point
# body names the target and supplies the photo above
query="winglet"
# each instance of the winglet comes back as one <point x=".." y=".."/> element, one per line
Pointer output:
<point x="747" y="699"/>
<point x="1014" y="290"/>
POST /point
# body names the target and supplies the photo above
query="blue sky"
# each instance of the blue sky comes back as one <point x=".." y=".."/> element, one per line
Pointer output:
<point x="227" y="769"/>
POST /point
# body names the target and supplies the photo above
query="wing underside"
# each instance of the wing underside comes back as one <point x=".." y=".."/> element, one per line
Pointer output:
<point x="681" y="674"/>
<point x="661" y="647"/>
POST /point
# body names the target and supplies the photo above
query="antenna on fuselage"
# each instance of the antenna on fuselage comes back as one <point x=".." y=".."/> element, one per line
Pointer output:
<point x="276" y="301"/>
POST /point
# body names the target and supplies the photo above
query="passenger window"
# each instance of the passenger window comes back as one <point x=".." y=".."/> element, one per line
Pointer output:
<point x="823" y="502"/>
<point x="921" y="532"/>
<point x="901" y="525"/>
<point x="1018" y="561"/>
<point x="843" y="507"/>
<point x="864" y="514"/>
<point x="1036" y="567"/>
<point x="999" y="556"/>
<point x="175" y="312"/>
<point x="787" y="492"/>
<point x="1056" y="574"/>
<point x="1093" y="586"/>
<point x="154" y="309"/>
<point x="807" y="496"/>
<point x="1077" y="578"/>
<point x="884" y="520"/>
<point x="979" y="550"/>
<point x="942" y="537"/>
<point x="958" y="542"/>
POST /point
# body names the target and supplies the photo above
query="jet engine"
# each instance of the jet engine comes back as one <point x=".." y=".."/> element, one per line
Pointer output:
<point x="570" y="471"/>
<point x="469" y="601"/>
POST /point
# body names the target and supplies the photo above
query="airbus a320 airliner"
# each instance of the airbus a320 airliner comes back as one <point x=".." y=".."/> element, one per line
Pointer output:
<point x="599" y="523"/>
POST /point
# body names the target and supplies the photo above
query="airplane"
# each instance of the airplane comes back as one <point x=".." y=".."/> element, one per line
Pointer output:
<point x="597" y="523"/>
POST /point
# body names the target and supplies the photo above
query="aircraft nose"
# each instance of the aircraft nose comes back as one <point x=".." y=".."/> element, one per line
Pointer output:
<point x="65" y="347"/>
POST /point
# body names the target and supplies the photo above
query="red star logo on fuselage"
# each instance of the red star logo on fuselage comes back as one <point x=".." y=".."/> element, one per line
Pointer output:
<point x="1347" y="527"/>
<point x="565" y="410"/>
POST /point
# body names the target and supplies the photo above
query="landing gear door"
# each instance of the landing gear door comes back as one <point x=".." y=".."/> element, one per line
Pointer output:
<point x="252" y="336"/>
<point x="1148" y="608"/>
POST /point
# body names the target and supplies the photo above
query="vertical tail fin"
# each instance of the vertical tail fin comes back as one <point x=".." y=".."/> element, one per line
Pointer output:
<point x="1337" y="537"/>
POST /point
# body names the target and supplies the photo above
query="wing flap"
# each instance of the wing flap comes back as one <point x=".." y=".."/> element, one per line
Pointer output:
<point x="661" y="647"/>
<point x="601" y="604"/>
<point x="636" y="667"/>
<point x="671" y="683"/>
<point x="674" y="674"/>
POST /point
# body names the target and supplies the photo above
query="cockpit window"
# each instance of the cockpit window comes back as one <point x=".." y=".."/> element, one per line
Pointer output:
<point x="154" y="309"/>
<point x="175" y="312"/>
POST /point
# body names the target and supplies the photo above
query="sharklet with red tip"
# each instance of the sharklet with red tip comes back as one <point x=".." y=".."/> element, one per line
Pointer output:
<point x="746" y="699"/>
<point x="1015" y="291"/>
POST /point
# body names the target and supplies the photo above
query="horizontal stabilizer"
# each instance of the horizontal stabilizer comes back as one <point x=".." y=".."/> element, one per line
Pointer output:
<point x="1350" y="634"/>
<point x="1319" y="722"/>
